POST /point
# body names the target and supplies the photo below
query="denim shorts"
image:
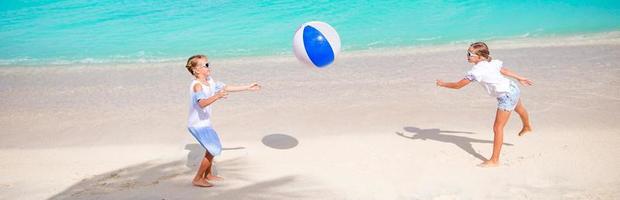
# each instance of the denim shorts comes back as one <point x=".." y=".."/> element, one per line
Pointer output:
<point x="508" y="101"/>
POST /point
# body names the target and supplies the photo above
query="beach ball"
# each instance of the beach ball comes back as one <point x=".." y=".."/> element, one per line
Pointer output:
<point x="316" y="43"/>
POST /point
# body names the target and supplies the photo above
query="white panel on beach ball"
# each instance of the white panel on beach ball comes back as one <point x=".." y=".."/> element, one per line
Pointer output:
<point x="316" y="43"/>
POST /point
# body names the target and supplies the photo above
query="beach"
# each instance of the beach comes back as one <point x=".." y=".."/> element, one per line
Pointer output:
<point x="371" y="126"/>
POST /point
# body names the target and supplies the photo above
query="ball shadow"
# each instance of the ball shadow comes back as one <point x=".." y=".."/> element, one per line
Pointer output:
<point x="280" y="141"/>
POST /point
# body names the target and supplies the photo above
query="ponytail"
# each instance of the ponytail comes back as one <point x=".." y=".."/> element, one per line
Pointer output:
<point x="481" y="49"/>
<point x="192" y="62"/>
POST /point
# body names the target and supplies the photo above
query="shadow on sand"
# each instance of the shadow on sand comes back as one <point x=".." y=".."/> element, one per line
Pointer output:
<point x="462" y="142"/>
<point x="172" y="180"/>
<point x="280" y="141"/>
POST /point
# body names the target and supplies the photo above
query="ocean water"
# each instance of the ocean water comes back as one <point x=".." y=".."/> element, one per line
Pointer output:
<point x="44" y="32"/>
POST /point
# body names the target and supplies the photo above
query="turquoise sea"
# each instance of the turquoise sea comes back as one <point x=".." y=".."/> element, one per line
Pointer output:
<point x="46" y="32"/>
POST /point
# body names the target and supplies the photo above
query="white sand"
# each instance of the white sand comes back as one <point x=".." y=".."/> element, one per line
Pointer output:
<point x="372" y="126"/>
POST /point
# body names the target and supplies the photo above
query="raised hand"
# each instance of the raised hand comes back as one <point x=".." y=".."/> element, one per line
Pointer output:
<point x="526" y="82"/>
<point x="222" y="94"/>
<point x="254" y="87"/>
<point x="439" y="82"/>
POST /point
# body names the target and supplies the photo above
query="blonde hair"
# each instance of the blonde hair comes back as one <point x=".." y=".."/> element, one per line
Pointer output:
<point x="481" y="49"/>
<point x="192" y="62"/>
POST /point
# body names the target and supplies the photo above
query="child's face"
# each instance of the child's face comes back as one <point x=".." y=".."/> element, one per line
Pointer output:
<point x="203" y="67"/>
<point x="473" y="58"/>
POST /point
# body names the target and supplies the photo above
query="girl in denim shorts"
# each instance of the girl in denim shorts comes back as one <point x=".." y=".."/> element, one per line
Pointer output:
<point x="490" y="74"/>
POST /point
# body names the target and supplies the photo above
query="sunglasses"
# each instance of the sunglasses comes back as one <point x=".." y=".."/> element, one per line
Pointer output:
<point x="469" y="54"/>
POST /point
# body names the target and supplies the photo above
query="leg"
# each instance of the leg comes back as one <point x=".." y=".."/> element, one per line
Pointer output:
<point x="199" y="179"/>
<point x="525" y="118"/>
<point x="498" y="138"/>
<point x="208" y="175"/>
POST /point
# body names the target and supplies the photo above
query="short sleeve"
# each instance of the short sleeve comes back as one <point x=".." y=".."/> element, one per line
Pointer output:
<point x="219" y="86"/>
<point x="197" y="96"/>
<point x="472" y="75"/>
<point x="498" y="64"/>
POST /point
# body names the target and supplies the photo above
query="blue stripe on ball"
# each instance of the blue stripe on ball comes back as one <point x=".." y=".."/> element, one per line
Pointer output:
<point x="317" y="47"/>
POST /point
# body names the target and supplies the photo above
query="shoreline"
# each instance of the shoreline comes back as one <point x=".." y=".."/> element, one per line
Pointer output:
<point x="600" y="38"/>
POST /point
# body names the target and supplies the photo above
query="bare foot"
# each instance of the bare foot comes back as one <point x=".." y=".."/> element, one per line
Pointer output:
<point x="489" y="163"/>
<point x="524" y="130"/>
<point x="214" y="178"/>
<point x="201" y="183"/>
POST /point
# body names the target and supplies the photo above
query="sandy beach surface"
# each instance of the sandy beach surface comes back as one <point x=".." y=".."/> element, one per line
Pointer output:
<point x="371" y="126"/>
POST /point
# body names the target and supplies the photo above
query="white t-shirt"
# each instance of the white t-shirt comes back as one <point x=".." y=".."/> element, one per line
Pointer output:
<point x="201" y="117"/>
<point x="490" y="78"/>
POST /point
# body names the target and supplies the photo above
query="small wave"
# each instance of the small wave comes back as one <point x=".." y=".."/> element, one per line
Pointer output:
<point x="525" y="35"/>
<point x="429" y="38"/>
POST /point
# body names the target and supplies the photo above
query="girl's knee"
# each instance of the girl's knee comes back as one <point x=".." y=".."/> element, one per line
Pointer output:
<point x="498" y="129"/>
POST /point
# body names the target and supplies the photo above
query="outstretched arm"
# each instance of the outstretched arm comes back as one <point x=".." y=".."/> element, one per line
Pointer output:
<point x="235" y="88"/>
<point x="524" y="81"/>
<point x="454" y="85"/>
